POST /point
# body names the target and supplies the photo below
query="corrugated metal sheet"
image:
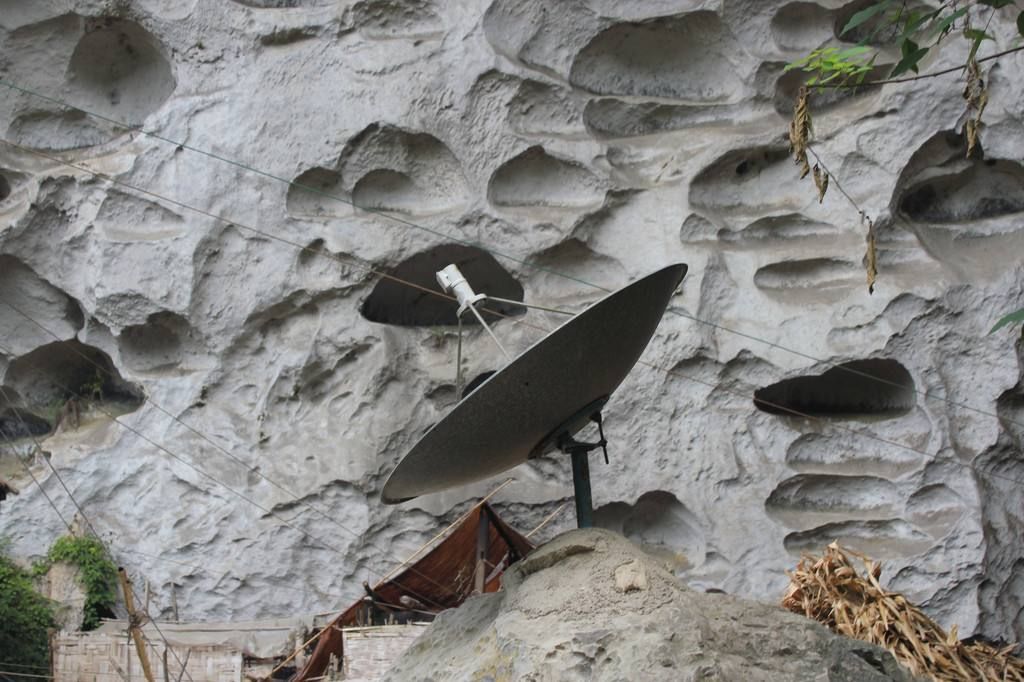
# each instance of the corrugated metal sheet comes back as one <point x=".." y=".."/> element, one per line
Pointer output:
<point x="441" y="579"/>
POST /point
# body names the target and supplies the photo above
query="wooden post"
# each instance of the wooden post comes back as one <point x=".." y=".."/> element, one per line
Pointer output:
<point x="174" y="601"/>
<point x="483" y="535"/>
<point x="167" y="670"/>
<point x="133" y="624"/>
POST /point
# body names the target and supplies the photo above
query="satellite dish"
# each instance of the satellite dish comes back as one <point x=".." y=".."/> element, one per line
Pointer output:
<point x="540" y="400"/>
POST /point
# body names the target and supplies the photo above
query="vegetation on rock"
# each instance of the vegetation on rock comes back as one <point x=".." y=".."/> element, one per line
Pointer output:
<point x="97" y="573"/>
<point x="26" y="618"/>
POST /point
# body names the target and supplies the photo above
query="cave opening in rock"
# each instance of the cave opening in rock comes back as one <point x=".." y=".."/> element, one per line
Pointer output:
<point x="393" y="302"/>
<point x="52" y="376"/>
<point x="5" y="187"/>
<point x="860" y="388"/>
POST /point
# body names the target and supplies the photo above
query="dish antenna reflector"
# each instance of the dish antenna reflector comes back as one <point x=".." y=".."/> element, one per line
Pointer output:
<point x="542" y="399"/>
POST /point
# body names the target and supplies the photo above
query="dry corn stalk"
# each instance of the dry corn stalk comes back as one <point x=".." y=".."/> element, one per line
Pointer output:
<point x="831" y="591"/>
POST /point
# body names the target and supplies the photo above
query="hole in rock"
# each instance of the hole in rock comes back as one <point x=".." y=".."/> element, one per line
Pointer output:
<point x="877" y="31"/>
<point x="733" y="180"/>
<point x="392" y="302"/>
<point x="801" y="26"/>
<point x="787" y="88"/>
<point x="983" y="190"/>
<point x="119" y="69"/>
<point x="809" y="275"/>
<point x="659" y="522"/>
<point x="880" y="539"/>
<point x="155" y="344"/>
<point x="388" y="190"/>
<point x="317" y="192"/>
<point x="5" y="187"/>
<point x="391" y="168"/>
<point x="16" y="422"/>
<point x="791" y="226"/>
<point x="535" y="178"/>
<point x="861" y="388"/>
<point x="688" y="58"/>
<point x="50" y="375"/>
<point x="476" y="381"/>
<point x="809" y="499"/>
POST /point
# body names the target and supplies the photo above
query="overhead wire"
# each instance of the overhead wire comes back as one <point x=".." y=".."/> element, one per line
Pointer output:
<point x="224" y="451"/>
<point x="352" y="260"/>
<point x="210" y="477"/>
<point x="670" y="371"/>
<point x="397" y="219"/>
<point x="85" y="518"/>
<point x="251" y="469"/>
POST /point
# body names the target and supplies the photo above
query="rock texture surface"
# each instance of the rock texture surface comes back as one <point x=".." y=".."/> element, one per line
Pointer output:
<point x="568" y="612"/>
<point x="580" y="143"/>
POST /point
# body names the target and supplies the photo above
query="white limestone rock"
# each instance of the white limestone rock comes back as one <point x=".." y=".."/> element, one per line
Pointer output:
<point x="581" y="143"/>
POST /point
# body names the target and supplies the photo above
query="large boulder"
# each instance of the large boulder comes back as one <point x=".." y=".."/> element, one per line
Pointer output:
<point x="590" y="605"/>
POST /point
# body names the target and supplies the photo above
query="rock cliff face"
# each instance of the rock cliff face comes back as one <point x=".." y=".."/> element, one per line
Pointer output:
<point x="590" y="605"/>
<point x="551" y="149"/>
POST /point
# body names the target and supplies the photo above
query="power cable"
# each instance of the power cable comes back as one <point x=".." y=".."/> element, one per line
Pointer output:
<point x="785" y="409"/>
<point x="379" y="212"/>
<point x="203" y="473"/>
<point x="294" y="496"/>
<point x="85" y="518"/>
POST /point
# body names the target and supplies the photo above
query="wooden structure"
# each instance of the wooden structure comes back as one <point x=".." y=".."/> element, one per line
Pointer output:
<point x="469" y="560"/>
<point x="212" y="652"/>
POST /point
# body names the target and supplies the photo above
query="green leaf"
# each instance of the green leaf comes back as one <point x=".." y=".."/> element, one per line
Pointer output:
<point x="976" y="36"/>
<point x="1020" y="23"/>
<point x="943" y="26"/>
<point x="912" y="54"/>
<point x="864" y="15"/>
<point x="852" y="52"/>
<point x="1006" y="320"/>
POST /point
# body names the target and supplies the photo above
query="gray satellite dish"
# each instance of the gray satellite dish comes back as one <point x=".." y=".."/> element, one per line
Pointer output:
<point x="539" y="401"/>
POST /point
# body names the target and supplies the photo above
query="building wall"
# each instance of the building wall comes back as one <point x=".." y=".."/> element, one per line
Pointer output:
<point x="370" y="652"/>
<point x="106" y="657"/>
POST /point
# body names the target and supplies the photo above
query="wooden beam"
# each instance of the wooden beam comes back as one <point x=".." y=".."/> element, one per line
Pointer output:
<point x="133" y="624"/>
<point x="483" y="537"/>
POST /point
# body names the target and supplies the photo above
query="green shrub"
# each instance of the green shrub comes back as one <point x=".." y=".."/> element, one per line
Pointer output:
<point x="96" y="571"/>
<point x="26" y="618"/>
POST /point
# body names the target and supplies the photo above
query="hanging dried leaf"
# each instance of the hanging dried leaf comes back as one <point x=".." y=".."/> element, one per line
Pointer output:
<point x="800" y="132"/>
<point x="821" y="182"/>
<point x="871" y="257"/>
<point x="976" y="95"/>
<point x="830" y="590"/>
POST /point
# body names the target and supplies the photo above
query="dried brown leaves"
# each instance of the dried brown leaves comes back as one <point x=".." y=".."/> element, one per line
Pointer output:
<point x="820" y="181"/>
<point x="976" y="95"/>
<point x="831" y="591"/>
<point x="800" y="132"/>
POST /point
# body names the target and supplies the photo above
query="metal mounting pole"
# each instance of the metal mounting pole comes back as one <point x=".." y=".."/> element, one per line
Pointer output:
<point x="581" y="488"/>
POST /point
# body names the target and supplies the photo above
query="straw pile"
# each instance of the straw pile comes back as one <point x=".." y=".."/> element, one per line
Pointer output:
<point x="831" y="591"/>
